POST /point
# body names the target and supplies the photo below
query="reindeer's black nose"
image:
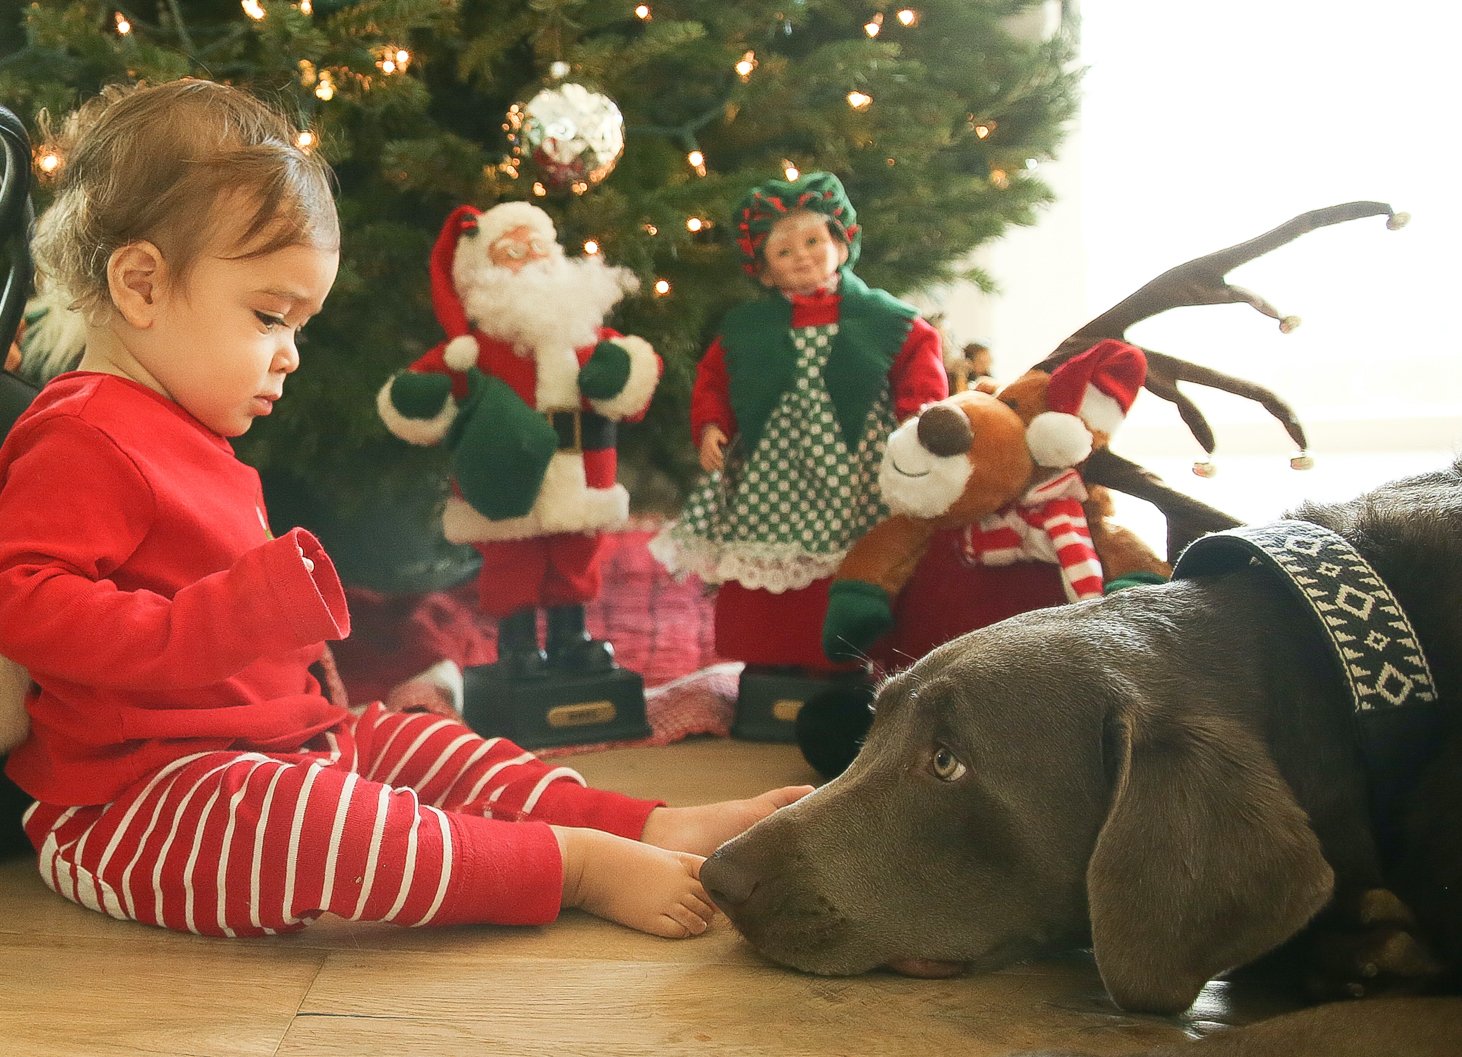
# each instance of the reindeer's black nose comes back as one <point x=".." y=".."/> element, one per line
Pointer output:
<point x="944" y="430"/>
<point x="728" y="882"/>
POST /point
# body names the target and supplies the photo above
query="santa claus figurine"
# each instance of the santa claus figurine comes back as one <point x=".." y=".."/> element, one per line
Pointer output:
<point x="526" y="390"/>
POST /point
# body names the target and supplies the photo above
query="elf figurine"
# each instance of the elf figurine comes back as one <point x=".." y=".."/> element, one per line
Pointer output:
<point x="526" y="390"/>
<point x="791" y="409"/>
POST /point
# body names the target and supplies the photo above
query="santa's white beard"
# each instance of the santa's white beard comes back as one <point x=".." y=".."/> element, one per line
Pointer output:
<point x="554" y="303"/>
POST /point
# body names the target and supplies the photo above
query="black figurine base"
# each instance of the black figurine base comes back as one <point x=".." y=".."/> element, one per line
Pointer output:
<point x="560" y="709"/>
<point x="769" y="699"/>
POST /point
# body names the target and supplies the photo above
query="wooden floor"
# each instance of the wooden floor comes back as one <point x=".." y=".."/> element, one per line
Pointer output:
<point x="75" y="983"/>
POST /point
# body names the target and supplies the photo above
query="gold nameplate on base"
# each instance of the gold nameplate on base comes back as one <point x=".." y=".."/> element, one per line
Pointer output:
<point x="581" y="714"/>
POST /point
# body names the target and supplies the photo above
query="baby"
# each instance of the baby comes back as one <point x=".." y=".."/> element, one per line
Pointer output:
<point x="187" y="769"/>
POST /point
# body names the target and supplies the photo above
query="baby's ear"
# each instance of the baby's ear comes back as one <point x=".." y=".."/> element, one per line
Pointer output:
<point x="135" y="276"/>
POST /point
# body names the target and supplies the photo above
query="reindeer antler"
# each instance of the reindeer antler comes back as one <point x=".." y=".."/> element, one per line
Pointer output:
<point x="1202" y="281"/>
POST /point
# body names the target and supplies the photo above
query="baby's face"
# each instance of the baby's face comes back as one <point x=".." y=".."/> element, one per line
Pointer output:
<point x="801" y="254"/>
<point x="225" y="337"/>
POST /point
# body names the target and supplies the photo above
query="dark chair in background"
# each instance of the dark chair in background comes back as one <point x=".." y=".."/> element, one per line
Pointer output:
<point x="15" y="393"/>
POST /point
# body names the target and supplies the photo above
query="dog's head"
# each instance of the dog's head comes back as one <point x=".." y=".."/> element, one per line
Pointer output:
<point x="1019" y="792"/>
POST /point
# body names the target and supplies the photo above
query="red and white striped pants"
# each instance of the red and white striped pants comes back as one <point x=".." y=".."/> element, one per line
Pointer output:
<point x="401" y="817"/>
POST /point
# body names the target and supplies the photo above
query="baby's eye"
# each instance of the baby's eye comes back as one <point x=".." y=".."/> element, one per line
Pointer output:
<point x="269" y="321"/>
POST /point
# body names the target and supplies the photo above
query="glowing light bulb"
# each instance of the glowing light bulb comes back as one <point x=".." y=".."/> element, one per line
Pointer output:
<point x="394" y="60"/>
<point x="539" y="189"/>
<point x="253" y="9"/>
<point x="873" y="25"/>
<point x="325" y="87"/>
<point x="790" y="169"/>
<point x="662" y="287"/>
<point x="907" y="16"/>
<point x="694" y="224"/>
<point x="306" y="8"/>
<point x="591" y="247"/>
<point x="697" y="161"/>
<point x="47" y="160"/>
<point x="305" y="140"/>
<point x="982" y="131"/>
<point x="651" y="229"/>
<point x="123" y="26"/>
<point x="643" y="12"/>
<point x="859" y="100"/>
<point x="1000" y="178"/>
<point x="746" y="66"/>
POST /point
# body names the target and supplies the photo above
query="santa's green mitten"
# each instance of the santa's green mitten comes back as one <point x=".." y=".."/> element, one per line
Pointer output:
<point x="501" y="449"/>
<point x="603" y="375"/>
<point x="418" y="395"/>
<point x="857" y="614"/>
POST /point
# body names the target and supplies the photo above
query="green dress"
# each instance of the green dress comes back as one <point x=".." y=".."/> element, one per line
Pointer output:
<point x="784" y="514"/>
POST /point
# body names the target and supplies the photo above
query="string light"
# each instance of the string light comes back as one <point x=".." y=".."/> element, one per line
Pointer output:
<point x="538" y="189"/>
<point x="697" y="161"/>
<point x="325" y="87"/>
<point x="254" y="9"/>
<point x="305" y="140"/>
<point x="746" y="65"/>
<point x="1000" y="178"/>
<point x="859" y="100"/>
<point x="790" y="169"/>
<point x="643" y="13"/>
<point x="983" y="131"/>
<point x="907" y="16"/>
<point x="394" y="60"/>
<point x="306" y="8"/>
<point x="591" y="247"/>
<point x="873" y="25"/>
<point x="48" y="160"/>
<point x="696" y="224"/>
<point x="662" y="287"/>
<point x="123" y="26"/>
<point x="651" y="230"/>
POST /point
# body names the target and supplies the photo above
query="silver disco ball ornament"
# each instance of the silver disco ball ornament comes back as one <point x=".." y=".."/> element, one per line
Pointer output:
<point x="566" y="137"/>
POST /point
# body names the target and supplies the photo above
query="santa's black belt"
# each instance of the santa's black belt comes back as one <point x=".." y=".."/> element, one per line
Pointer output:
<point x="581" y="430"/>
<point x="1399" y="722"/>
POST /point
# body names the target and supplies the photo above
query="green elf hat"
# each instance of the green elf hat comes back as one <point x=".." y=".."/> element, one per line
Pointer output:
<point x="765" y="204"/>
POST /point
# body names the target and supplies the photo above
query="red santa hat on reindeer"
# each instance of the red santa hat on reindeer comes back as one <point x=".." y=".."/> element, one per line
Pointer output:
<point x="1090" y="394"/>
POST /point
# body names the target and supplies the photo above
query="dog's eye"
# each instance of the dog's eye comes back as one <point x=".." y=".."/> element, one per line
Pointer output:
<point x="946" y="765"/>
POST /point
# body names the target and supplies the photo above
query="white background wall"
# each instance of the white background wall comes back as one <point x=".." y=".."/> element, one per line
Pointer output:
<point x="1204" y="125"/>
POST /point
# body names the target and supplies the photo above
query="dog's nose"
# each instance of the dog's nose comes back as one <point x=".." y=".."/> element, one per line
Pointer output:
<point x="944" y="430"/>
<point x="728" y="883"/>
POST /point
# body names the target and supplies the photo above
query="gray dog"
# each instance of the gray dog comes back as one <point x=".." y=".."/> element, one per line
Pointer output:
<point x="1179" y="777"/>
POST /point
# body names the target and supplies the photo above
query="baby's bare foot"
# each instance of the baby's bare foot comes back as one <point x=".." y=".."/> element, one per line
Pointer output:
<point x="703" y="829"/>
<point x="645" y="887"/>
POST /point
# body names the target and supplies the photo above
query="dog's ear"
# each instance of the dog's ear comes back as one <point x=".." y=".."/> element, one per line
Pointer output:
<point x="1205" y="861"/>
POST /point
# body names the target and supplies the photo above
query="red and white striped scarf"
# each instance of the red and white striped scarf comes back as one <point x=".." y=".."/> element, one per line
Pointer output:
<point x="1047" y="524"/>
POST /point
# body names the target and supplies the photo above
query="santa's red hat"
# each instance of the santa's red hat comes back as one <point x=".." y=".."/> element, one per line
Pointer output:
<point x="1089" y="393"/>
<point x="489" y="226"/>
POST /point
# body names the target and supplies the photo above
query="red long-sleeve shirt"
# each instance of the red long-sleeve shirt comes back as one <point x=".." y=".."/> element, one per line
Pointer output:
<point x="140" y="585"/>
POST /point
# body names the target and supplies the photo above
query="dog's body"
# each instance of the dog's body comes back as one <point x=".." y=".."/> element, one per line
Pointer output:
<point x="1169" y="775"/>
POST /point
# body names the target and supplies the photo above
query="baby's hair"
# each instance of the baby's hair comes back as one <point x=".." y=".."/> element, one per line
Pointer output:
<point x="153" y="163"/>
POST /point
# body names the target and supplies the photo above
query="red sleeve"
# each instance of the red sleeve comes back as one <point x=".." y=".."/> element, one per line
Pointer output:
<point x="918" y="376"/>
<point x="61" y="615"/>
<point x="710" y="397"/>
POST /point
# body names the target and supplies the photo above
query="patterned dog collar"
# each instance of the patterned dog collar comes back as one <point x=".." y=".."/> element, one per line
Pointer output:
<point x="1369" y="633"/>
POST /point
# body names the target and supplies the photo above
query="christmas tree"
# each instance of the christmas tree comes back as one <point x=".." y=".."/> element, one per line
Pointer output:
<point x="934" y="115"/>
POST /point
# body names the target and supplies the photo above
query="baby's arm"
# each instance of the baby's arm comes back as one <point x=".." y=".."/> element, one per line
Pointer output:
<point x="634" y="884"/>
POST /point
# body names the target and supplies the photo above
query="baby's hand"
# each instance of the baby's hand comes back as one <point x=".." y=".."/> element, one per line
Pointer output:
<point x="634" y="884"/>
